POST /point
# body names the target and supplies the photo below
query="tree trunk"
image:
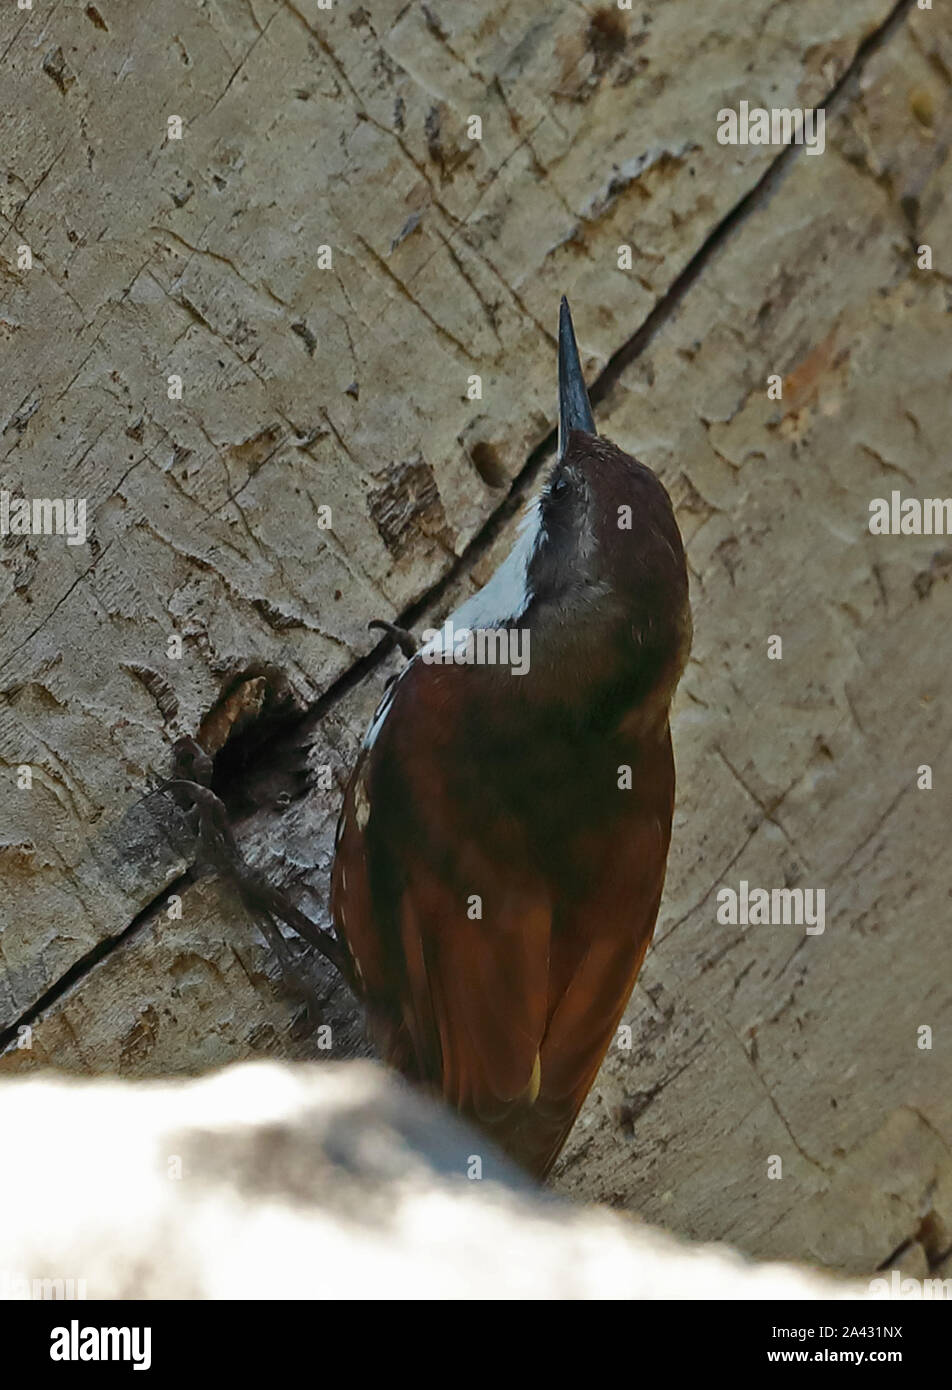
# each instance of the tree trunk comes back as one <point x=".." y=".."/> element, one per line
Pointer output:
<point x="324" y="261"/>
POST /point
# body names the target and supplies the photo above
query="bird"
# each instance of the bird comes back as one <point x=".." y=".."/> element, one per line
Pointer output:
<point x="503" y="838"/>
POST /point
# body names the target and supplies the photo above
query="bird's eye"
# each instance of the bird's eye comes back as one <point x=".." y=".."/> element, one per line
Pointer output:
<point x="560" y="487"/>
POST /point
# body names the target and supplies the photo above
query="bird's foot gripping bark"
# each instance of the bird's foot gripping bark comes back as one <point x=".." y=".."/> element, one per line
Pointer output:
<point x="405" y="640"/>
<point x="219" y="849"/>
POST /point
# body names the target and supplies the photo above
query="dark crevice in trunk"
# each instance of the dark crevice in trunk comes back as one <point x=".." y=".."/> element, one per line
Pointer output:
<point x="100" y="952"/>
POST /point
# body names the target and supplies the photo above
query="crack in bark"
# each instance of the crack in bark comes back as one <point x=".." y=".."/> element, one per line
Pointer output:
<point x="814" y="1162"/>
<point x="88" y="962"/>
<point x="767" y="810"/>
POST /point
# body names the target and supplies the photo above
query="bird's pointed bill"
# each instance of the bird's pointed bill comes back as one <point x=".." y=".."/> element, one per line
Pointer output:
<point x="575" y="411"/>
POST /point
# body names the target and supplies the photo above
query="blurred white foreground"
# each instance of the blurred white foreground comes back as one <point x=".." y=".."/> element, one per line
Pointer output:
<point x="324" y="1181"/>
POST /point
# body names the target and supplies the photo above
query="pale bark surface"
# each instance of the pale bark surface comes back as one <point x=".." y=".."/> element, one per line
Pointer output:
<point x="347" y="387"/>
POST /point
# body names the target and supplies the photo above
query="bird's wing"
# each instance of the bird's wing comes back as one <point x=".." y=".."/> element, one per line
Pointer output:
<point x="447" y="923"/>
<point x="599" y="941"/>
<point x="508" y="1014"/>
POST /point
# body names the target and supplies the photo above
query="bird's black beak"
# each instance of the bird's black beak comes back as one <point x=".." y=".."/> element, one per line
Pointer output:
<point x="575" y="412"/>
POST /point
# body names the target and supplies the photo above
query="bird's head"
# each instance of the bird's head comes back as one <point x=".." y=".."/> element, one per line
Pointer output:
<point x="606" y="551"/>
<point x="597" y="574"/>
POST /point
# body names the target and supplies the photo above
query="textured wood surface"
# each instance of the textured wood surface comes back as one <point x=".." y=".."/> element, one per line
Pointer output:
<point x="346" y="387"/>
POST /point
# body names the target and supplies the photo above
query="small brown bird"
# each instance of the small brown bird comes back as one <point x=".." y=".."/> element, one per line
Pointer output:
<point x="503" y="840"/>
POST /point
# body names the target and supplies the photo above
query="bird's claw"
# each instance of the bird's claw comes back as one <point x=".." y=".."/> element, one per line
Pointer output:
<point x="219" y="848"/>
<point x="405" y="640"/>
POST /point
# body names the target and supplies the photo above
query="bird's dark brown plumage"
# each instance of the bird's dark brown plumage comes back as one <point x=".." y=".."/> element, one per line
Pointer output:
<point x="476" y="782"/>
<point x="569" y="906"/>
